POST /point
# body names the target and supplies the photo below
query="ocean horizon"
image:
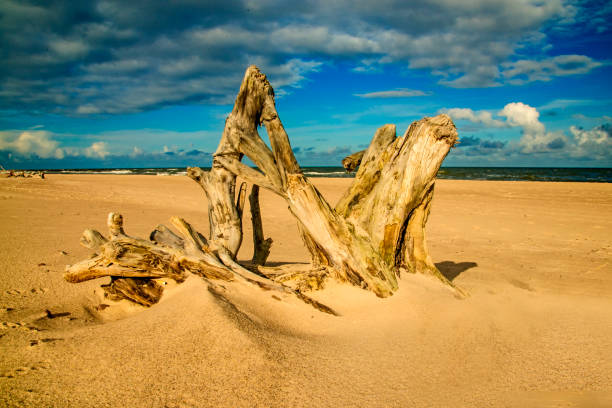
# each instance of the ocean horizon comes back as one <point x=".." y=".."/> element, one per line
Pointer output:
<point x="557" y="174"/>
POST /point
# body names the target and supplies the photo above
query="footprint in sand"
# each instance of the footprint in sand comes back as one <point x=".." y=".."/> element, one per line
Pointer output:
<point x="35" y="291"/>
<point x="37" y="342"/>
<point x="39" y="291"/>
<point x="24" y="370"/>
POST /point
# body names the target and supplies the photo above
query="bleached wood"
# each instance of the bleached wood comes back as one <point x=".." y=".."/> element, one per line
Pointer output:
<point x="376" y="230"/>
<point x="92" y="239"/>
<point x="133" y="262"/>
<point x="351" y="162"/>
<point x="162" y="235"/>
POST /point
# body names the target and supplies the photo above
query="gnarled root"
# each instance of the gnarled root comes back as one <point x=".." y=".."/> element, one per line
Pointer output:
<point x="135" y="264"/>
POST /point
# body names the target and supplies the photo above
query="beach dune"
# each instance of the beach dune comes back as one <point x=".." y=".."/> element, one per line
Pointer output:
<point x="536" y="329"/>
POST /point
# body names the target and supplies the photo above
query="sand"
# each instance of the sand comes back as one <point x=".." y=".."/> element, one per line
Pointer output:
<point x="536" y="330"/>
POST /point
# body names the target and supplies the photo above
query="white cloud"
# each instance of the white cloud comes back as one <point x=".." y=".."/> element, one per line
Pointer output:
<point x="483" y="117"/>
<point x="395" y="93"/>
<point x="31" y="142"/>
<point x="535" y="138"/>
<point x="593" y="143"/>
<point x="97" y="150"/>
<point x="523" y="115"/>
<point x="596" y="136"/>
<point x="536" y="145"/>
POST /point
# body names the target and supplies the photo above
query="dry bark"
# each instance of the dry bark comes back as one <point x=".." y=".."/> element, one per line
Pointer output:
<point x="351" y="162"/>
<point x="375" y="232"/>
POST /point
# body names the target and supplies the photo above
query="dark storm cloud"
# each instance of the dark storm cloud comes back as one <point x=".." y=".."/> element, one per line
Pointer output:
<point x="113" y="56"/>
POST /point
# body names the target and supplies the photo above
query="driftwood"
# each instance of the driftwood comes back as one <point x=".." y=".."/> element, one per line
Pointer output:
<point x="375" y="232"/>
<point x="351" y="162"/>
<point x="261" y="246"/>
<point x="20" y="173"/>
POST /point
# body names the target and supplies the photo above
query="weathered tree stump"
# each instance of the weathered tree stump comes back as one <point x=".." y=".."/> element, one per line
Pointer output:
<point x="375" y="232"/>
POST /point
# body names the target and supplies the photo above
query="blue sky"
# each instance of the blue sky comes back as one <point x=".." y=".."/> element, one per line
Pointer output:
<point x="148" y="84"/>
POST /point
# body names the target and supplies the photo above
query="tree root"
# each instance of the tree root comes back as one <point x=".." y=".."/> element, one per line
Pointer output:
<point x="134" y="264"/>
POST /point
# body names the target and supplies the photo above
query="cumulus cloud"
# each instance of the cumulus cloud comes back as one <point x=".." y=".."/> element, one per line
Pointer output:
<point x="395" y="93"/>
<point x="523" y="115"/>
<point x="535" y="138"/>
<point x="594" y="143"/>
<point x="97" y="150"/>
<point x="40" y="149"/>
<point x="31" y="142"/>
<point x="536" y="144"/>
<point x="111" y="56"/>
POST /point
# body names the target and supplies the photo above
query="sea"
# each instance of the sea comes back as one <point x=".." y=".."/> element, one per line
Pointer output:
<point x="592" y="175"/>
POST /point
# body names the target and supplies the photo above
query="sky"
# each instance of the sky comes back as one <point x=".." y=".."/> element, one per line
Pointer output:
<point x="107" y="84"/>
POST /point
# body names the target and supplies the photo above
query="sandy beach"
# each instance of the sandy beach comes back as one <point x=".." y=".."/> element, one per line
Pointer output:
<point x="536" y="330"/>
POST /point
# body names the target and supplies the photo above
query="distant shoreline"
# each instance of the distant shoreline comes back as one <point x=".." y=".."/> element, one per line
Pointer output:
<point x="557" y="174"/>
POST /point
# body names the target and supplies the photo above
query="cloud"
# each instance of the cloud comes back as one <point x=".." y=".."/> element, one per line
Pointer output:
<point x="525" y="116"/>
<point x="29" y="143"/>
<point x="468" y="141"/>
<point x="395" y="93"/>
<point x="536" y="145"/>
<point x="594" y="143"/>
<point x="535" y="138"/>
<point x="482" y="117"/>
<point x="87" y="110"/>
<point x="39" y="149"/>
<point x="111" y="56"/>
<point x="314" y="156"/>
<point x="524" y="71"/>
<point x="136" y="151"/>
<point x="69" y="48"/>
<point x="98" y="150"/>
<point x="479" y="147"/>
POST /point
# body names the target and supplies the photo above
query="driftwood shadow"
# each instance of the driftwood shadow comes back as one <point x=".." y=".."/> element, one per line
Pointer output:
<point x="286" y="263"/>
<point x="451" y="270"/>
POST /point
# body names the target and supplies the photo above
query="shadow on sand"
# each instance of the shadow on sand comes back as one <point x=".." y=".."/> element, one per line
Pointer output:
<point x="286" y="263"/>
<point x="451" y="270"/>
